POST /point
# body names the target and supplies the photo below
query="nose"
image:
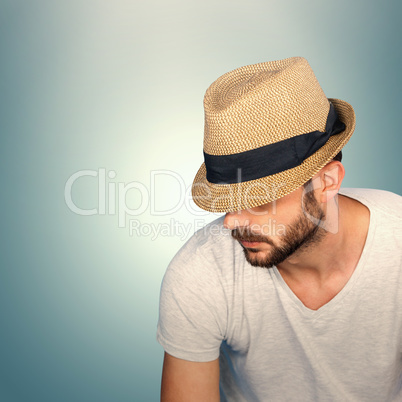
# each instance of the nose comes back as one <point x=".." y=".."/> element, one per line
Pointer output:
<point x="236" y="219"/>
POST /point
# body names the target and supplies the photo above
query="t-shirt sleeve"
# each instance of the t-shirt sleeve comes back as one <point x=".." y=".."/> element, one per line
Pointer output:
<point x="193" y="307"/>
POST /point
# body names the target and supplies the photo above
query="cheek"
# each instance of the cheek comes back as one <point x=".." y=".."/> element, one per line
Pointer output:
<point x="273" y="219"/>
<point x="274" y="225"/>
<point x="288" y="211"/>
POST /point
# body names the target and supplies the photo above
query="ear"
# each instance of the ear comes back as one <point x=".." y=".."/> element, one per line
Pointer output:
<point x="331" y="176"/>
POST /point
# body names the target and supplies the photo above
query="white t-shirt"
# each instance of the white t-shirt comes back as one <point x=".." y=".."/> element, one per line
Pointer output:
<point x="273" y="348"/>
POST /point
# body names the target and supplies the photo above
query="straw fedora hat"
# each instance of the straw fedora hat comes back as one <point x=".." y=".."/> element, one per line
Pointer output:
<point x="269" y="128"/>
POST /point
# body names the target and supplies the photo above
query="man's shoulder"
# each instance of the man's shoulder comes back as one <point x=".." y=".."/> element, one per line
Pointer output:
<point x="376" y="200"/>
<point x="211" y="236"/>
<point x="211" y="245"/>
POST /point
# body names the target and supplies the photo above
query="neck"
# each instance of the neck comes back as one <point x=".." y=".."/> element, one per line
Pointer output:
<point x="316" y="275"/>
<point x="338" y="251"/>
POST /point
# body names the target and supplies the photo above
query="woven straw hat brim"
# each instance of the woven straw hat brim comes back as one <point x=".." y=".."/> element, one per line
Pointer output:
<point x="239" y="196"/>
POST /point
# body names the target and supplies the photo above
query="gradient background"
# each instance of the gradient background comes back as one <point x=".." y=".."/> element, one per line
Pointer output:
<point x="119" y="85"/>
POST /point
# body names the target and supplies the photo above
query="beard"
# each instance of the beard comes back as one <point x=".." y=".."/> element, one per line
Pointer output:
<point x="299" y="235"/>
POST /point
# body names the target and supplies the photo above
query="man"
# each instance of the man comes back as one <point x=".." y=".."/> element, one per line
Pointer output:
<point x="296" y="294"/>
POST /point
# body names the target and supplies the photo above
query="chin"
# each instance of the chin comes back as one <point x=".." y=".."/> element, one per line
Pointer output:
<point x="255" y="260"/>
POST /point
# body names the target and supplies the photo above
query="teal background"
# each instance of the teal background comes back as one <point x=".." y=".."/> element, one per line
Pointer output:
<point x="89" y="85"/>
